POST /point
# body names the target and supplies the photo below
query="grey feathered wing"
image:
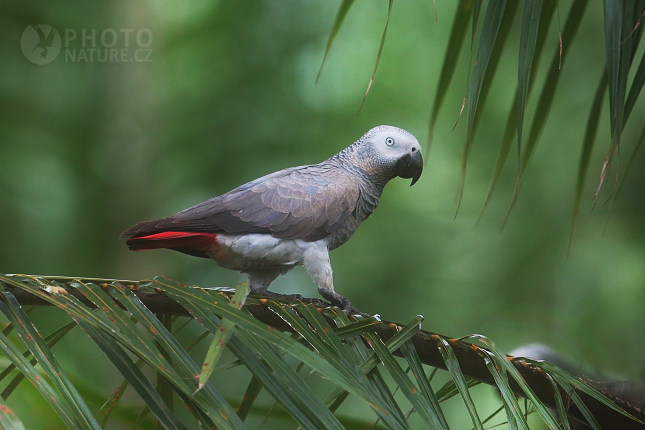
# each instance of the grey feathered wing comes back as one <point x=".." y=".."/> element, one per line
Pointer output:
<point x="307" y="202"/>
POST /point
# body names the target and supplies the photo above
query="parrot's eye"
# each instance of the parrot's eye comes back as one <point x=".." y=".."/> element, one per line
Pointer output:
<point x="389" y="141"/>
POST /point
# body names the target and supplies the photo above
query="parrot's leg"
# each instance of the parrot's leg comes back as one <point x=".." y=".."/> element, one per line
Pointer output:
<point x="260" y="280"/>
<point x="316" y="261"/>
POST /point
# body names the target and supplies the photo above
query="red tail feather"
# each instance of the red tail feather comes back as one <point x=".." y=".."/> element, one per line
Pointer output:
<point x="174" y="240"/>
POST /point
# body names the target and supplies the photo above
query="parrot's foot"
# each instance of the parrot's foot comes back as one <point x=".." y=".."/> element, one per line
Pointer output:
<point x="342" y="302"/>
<point x="350" y="309"/>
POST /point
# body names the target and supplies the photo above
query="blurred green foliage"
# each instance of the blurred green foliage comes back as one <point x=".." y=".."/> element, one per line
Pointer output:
<point x="89" y="148"/>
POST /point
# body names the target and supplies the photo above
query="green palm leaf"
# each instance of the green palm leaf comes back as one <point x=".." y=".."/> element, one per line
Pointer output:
<point x="528" y="41"/>
<point x="502" y="362"/>
<point x="378" y="55"/>
<point x="8" y="419"/>
<point x="432" y="404"/>
<point x="421" y="404"/>
<point x="620" y="46"/>
<point x="69" y="395"/>
<point x="452" y="364"/>
<point x="513" y="410"/>
<point x="587" y="148"/>
<point x="455" y="44"/>
<point x="490" y="29"/>
<point x="338" y="22"/>
<point x="132" y="373"/>
<point x="250" y="395"/>
<point x="218" y="345"/>
<point x="546" y="16"/>
<point x="27" y="369"/>
<point x="348" y="354"/>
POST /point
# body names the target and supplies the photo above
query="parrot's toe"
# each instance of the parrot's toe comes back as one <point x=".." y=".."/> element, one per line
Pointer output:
<point x="349" y="308"/>
<point x="341" y="301"/>
<point x="352" y="310"/>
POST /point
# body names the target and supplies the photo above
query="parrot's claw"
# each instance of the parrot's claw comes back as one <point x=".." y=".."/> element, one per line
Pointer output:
<point x="341" y="301"/>
<point x="350" y="309"/>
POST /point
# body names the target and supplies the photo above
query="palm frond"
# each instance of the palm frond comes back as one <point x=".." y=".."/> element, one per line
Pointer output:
<point x="8" y="419"/>
<point x="338" y="22"/>
<point x="622" y="34"/>
<point x="267" y="338"/>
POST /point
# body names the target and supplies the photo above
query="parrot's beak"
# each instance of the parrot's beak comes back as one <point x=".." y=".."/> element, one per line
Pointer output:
<point x="409" y="166"/>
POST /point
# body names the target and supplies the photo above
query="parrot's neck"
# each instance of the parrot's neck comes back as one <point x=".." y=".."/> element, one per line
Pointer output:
<point x="370" y="184"/>
<point x="350" y="159"/>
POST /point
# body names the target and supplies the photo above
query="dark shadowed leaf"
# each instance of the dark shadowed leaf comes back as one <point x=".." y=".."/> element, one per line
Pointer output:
<point x="455" y="44"/>
<point x="487" y="38"/>
<point x="621" y="42"/>
<point x="498" y="49"/>
<point x="639" y="143"/>
<point x="104" y="414"/>
<point x="546" y="15"/>
<point x="587" y="148"/>
<point x="635" y="89"/>
<point x="250" y="395"/>
<point x="368" y="366"/>
<point x="576" y="13"/>
<point x="273" y="381"/>
<point x="528" y="40"/>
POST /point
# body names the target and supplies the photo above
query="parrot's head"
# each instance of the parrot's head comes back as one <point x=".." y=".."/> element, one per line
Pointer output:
<point x="388" y="152"/>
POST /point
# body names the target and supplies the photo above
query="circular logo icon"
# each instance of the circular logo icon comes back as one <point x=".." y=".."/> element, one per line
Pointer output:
<point x="40" y="43"/>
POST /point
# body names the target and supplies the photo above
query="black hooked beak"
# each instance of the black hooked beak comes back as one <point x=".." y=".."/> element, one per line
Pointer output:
<point x="410" y="166"/>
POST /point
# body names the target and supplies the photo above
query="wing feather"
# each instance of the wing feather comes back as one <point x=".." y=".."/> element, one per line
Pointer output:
<point x="308" y="202"/>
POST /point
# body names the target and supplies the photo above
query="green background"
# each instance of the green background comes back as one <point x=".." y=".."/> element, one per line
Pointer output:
<point x="89" y="148"/>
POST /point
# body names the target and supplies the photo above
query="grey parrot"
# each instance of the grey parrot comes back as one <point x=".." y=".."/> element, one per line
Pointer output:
<point x="291" y="217"/>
